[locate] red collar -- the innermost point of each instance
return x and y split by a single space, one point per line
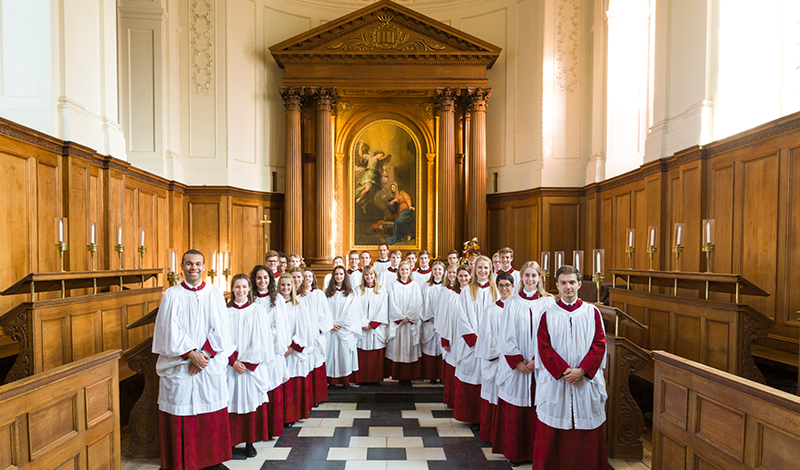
450 287
510 270
193 289
570 308
483 286
394 270
406 282
276 275
500 303
351 271
534 297
339 289
423 271
435 283
260 295
246 304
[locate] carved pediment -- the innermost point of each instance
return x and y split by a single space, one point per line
385 32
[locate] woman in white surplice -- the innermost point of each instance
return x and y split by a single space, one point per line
405 317
430 342
375 318
312 319
449 310
345 307
298 392
318 305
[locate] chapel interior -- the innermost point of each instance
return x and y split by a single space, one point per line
656 140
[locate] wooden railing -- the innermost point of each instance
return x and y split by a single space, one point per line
704 418
65 418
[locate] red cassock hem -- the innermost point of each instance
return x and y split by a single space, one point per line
192 442
319 378
406 370
294 399
467 407
449 395
308 392
556 448
341 380
431 367
514 431
370 366
275 412
249 427
488 413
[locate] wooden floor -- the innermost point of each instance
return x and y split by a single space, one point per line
645 464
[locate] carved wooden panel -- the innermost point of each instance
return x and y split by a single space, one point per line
674 454
720 425
98 402
674 403
100 454
777 448
659 321
51 425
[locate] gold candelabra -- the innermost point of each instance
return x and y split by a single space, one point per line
173 278
120 249
212 273
142 250
92 249
598 278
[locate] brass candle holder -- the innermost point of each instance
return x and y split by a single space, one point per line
92 249
545 275
651 250
62 247
598 278
630 250
708 248
120 249
142 250
227 273
173 278
212 273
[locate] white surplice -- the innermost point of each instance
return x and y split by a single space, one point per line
298 327
468 369
317 305
418 275
388 277
405 301
277 373
355 277
430 341
253 338
380 266
374 308
342 354
186 319
488 352
518 339
446 324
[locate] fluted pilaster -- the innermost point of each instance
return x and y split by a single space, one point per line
476 192
325 99
293 200
445 101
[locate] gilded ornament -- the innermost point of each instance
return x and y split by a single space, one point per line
386 36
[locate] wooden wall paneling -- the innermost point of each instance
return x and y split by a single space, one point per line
274 211
792 236
561 225
177 227
498 230
247 241
592 230
130 223
206 221
523 233
115 190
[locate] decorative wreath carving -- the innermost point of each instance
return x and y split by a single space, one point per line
386 37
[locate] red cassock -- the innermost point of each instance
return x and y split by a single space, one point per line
250 427
275 412
570 449
193 442
513 434
467 402
319 379
370 366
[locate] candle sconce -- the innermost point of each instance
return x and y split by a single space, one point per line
142 249
677 246
577 262
212 273
61 241
119 247
598 259
226 263
545 267
708 241
630 236
172 265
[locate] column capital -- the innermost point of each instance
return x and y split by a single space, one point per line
477 98
445 99
325 98
292 98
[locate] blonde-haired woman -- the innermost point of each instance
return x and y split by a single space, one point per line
298 392
405 316
375 319
482 293
515 418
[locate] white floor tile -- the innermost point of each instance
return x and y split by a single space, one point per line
425 453
404 442
347 453
317 432
365 465
386 431
435 422
309 423
417 414
487 451
265 444
450 431
140 464
364 441
274 453
406 465
358 414
456 423
430 406
341 406
249 464
337 422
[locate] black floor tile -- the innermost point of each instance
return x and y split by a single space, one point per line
324 465
489 465
324 414
386 454
442 413
420 432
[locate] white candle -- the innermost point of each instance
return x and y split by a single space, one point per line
597 266
630 238
173 267
119 235
708 232
678 236
653 237
142 238
546 260
214 262
227 260
60 230
578 261
559 260
92 242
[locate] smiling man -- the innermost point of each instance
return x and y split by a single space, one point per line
192 342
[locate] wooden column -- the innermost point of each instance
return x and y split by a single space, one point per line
476 192
445 101
293 199
324 98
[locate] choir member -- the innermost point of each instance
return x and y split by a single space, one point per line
382 263
488 351
192 340
450 307
452 257
337 261
411 259
318 304
353 270
272 261
516 414
375 319
389 276
312 318
345 308
481 294
423 272
247 379
405 316
266 295
283 262
570 387
295 260
506 257
366 259
496 264
297 391
430 343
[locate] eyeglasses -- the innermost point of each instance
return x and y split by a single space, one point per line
505 285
